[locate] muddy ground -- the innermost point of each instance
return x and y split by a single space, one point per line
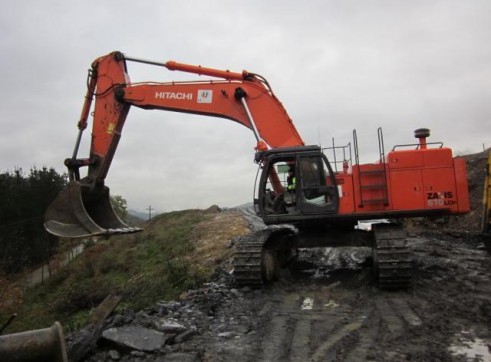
317 314
326 307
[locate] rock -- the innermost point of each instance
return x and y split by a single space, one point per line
136 338
225 335
114 355
169 326
166 307
117 321
143 319
184 336
138 354
181 357
246 290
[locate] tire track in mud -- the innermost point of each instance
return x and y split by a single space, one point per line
310 325
300 318
342 316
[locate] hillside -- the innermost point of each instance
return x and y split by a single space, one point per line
175 252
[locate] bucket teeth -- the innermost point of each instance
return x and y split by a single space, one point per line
81 211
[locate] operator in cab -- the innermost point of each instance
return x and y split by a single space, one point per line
291 180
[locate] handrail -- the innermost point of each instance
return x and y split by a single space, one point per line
381 148
347 155
355 146
417 145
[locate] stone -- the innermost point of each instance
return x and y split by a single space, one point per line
136 338
184 336
180 357
117 321
225 335
138 354
169 326
114 355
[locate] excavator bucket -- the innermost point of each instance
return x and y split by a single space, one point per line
81 211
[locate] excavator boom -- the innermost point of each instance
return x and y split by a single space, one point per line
241 97
84 208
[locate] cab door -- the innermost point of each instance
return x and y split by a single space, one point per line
317 192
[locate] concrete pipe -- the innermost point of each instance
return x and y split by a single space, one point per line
38 345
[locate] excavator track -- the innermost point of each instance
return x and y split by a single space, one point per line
392 260
248 258
247 263
254 264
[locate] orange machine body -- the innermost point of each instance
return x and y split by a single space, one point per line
415 180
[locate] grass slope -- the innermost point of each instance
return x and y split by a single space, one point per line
144 268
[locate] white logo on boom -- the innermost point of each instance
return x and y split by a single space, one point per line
205 96
174 95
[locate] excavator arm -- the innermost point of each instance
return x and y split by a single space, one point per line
242 97
84 209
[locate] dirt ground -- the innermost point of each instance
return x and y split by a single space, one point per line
320 313
326 307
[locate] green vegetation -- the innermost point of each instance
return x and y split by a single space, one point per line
120 206
23 201
144 268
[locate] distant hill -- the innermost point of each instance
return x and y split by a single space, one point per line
138 214
136 217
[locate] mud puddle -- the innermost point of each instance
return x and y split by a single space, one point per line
327 264
467 346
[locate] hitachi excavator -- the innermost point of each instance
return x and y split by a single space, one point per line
319 203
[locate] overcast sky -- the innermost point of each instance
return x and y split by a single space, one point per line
335 65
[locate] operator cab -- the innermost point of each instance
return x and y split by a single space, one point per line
294 184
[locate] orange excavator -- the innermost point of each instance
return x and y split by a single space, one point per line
323 198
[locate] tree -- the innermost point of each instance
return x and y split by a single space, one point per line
120 206
23 202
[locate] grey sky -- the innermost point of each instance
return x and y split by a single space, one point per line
335 65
